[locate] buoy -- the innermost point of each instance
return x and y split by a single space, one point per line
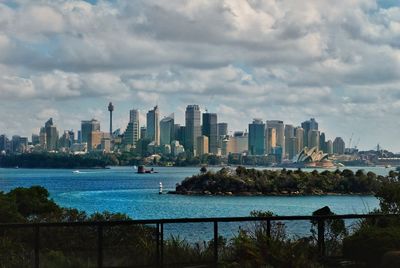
160 189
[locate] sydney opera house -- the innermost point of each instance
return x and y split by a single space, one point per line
312 157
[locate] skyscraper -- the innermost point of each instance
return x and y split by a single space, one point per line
280 132
87 127
202 145
192 127
257 137
210 129
3 143
329 147
299 133
271 139
222 129
289 133
307 126
167 130
313 138
51 135
322 143
338 146
153 125
134 119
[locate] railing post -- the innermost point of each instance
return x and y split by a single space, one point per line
162 245
321 237
158 244
215 243
100 245
37 245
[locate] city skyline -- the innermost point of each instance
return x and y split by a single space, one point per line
239 59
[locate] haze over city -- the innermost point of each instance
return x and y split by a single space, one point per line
339 64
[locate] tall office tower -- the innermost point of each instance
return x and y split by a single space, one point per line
313 138
3 143
67 139
134 119
210 129
257 137
329 147
177 128
95 139
271 139
289 133
307 126
192 127
87 127
111 109
222 129
143 132
79 138
42 138
51 135
322 142
153 125
240 142
202 145
15 144
299 133
338 146
35 140
167 130
280 132
128 139
292 147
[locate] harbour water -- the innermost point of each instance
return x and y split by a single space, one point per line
121 189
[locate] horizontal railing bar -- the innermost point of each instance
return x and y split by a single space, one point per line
192 220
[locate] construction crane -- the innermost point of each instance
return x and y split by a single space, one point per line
351 138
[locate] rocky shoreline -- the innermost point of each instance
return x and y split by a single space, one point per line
283 193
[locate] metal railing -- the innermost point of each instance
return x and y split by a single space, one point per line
160 232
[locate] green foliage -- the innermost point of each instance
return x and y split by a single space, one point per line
243 181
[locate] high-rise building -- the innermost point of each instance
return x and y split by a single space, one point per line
210 129
222 129
292 147
67 139
202 145
51 135
322 142
299 133
307 126
271 139
329 147
134 119
35 139
338 146
257 137
3 143
313 138
42 138
143 132
167 130
192 127
129 139
153 125
95 140
289 133
280 132
87 127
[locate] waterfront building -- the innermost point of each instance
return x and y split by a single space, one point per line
153 125
202 145
134 119
210 129
338 146
256 144
51 135
289 134
87 127
192 127
313 139
307 126
329 147
280 132
167 130
271 139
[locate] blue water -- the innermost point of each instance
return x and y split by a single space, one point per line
120 189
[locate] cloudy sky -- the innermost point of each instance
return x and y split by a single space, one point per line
337 61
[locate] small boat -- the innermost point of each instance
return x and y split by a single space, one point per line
76 171
134 167
388 166
160 191
142 170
